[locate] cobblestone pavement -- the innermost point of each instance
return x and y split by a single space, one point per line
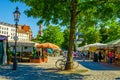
101 71
48 71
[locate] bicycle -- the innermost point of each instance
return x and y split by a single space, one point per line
60 63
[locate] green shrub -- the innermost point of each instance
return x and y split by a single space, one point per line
9 54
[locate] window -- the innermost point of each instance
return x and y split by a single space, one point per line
4 32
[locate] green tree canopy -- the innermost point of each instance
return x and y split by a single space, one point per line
91 35
52 34
112 30
66 39
72 13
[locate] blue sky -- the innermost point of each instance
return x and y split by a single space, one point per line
6 15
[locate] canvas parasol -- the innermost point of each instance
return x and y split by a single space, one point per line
47 45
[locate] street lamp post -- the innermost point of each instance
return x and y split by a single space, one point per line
16 19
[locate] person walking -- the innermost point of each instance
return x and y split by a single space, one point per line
75 53
100 56
84 55
95 57
110 55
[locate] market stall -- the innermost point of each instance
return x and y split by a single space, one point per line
44 49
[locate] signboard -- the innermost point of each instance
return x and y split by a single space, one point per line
15 38
93 48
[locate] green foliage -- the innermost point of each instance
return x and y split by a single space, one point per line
66 39
52 34
112 32
34 52
38 39
89 12
9 54
104 34
92 35
71 13
48 10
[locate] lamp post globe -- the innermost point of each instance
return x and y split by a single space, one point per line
16 19
16 15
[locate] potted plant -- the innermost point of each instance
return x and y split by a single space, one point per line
44 57
9 55
34 58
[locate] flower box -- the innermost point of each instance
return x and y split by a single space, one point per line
36 60
9 62
45 59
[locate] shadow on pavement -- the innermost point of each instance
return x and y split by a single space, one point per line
117 78
99 65
33 72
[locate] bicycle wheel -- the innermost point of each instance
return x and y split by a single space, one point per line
75 64
60 64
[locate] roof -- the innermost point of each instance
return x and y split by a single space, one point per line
20 31
92 46
7 24
26 28
113 42
24 43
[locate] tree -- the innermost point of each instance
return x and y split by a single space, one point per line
66 39
92 35
70 13
52 34
38 39
112 31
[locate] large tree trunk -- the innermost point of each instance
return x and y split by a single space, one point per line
69 65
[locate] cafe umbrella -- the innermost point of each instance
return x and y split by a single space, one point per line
47 45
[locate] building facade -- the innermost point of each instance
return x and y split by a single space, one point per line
24 34
23 31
